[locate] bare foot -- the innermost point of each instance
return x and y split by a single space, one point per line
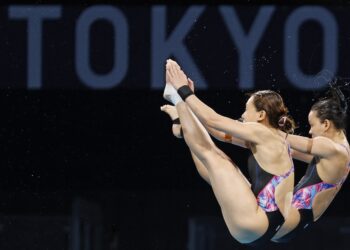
172 112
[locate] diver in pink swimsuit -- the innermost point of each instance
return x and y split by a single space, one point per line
327 153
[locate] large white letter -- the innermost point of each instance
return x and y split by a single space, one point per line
163 48
82 47
35 16
291 47
246 43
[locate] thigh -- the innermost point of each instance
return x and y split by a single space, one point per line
244 218
223 155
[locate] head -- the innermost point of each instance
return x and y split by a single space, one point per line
328 115
267 107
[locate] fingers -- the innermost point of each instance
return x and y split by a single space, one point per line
190 83
169 73
173 70
182 75
167 67
174 74
166 75
172 62
176 65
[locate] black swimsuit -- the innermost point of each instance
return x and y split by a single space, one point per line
304 194
263 187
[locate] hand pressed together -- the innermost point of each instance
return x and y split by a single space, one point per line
175 75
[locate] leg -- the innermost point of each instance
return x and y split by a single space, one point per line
171 111
202 170
176 128
199 164
244 218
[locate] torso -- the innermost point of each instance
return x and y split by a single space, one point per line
273 163
328 184
317 189
273 155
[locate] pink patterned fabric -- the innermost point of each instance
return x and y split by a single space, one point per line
304 197
266 197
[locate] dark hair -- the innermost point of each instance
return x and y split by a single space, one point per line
277 113
333 107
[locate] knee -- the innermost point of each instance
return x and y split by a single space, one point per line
209 156
247 235
248 229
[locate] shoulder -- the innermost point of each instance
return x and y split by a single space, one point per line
331 146
260 130
323 140
255 126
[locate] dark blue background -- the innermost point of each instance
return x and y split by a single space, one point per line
115 147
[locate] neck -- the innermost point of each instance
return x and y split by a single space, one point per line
268 125
337 136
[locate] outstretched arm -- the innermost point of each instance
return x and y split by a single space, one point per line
319 146
221 136
304 157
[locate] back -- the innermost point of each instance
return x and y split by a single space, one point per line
313 195
272 172
272 153
321 182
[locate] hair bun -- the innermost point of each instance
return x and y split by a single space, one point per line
338 96
282 121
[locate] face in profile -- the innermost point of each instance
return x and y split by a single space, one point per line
317 128
250 114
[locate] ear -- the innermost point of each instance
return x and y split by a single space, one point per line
326 124
262 115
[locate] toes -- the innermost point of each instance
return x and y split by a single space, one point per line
164 107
